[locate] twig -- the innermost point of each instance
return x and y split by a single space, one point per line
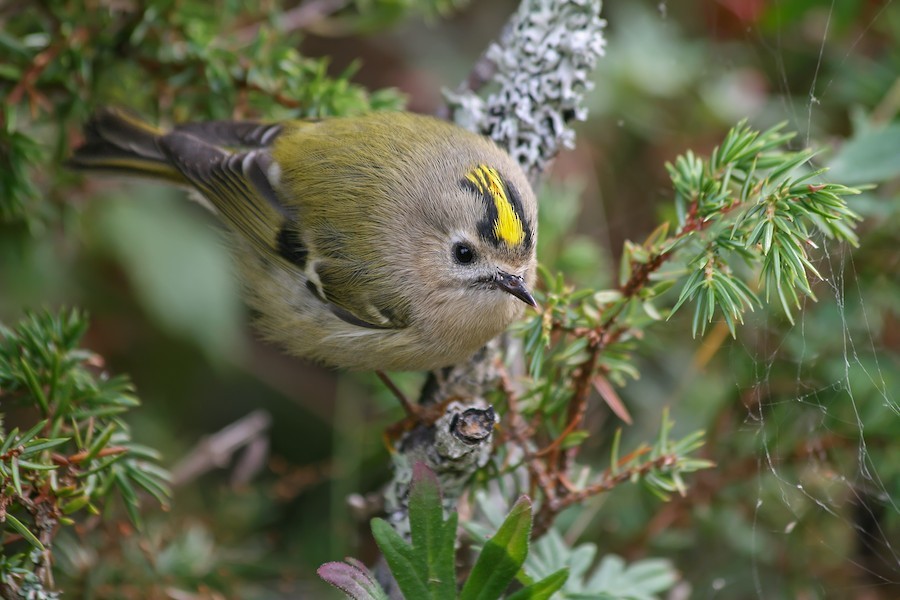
541 66
558 463
216 450
38 65
408 407
300 17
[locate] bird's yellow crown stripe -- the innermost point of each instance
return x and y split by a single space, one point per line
507 225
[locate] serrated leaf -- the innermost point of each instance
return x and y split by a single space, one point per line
543 589
400 558
502 555
352 578
433 539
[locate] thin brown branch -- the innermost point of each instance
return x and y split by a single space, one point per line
552 462
78 457
553 506
216 450
42 60
296 19
520 432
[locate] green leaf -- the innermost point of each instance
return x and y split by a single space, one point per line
22 530
651 311
17 482
34 386
186 283
543 589
10 440
433 539
154 486
101 442
75 504
400 558
575 438
28 435
38 447
644 579
789 162
870 156
607 296
129 496
27 464
502 555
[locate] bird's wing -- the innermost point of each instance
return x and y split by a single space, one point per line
240 186
230 163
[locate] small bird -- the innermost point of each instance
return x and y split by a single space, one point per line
389 241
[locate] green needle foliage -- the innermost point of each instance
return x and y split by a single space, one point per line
745 218
744 228
77 453
65 59
754 204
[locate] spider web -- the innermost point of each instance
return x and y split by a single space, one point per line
821 488
821 497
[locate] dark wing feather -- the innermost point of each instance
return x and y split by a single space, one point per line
236 184
229 164
233 134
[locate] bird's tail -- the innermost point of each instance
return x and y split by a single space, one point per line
117 142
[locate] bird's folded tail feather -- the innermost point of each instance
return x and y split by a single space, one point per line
117 142
227 162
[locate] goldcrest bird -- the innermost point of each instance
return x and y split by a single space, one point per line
390 241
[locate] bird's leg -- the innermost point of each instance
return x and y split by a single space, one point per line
417 415
412 411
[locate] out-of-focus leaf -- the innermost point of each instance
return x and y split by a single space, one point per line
869 157
178 266
641 580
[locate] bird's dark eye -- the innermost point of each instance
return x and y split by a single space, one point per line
463 254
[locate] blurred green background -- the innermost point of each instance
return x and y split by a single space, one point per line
802 420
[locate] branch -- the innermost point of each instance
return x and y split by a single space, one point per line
214 451
542 65
299 17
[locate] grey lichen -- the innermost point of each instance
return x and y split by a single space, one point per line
542 65
454 447
541 69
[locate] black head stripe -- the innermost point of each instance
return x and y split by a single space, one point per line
504 215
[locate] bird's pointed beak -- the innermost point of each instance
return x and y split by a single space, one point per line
515 285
